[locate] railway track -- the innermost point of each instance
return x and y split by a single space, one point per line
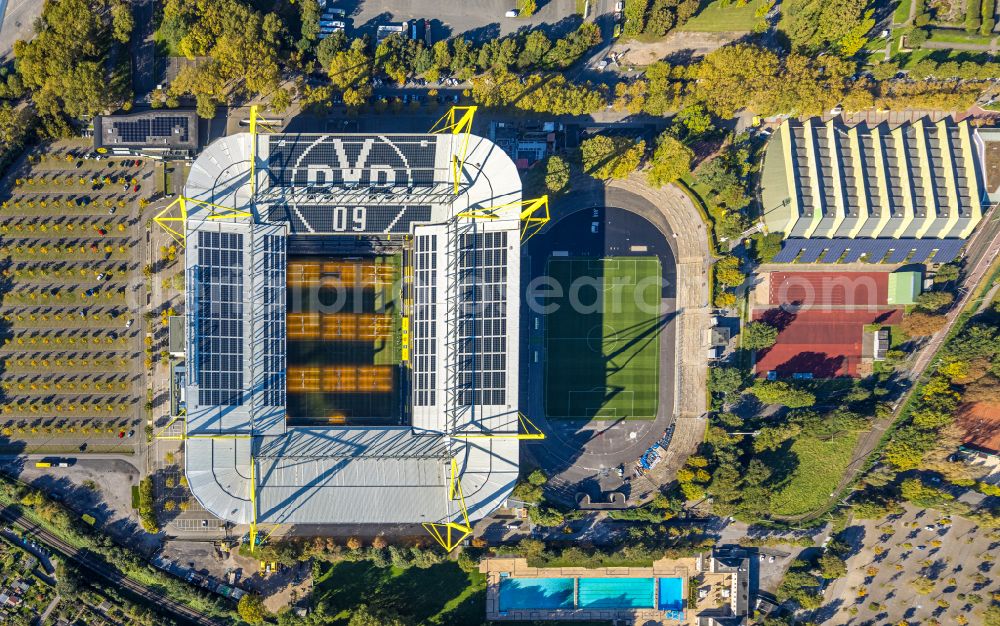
89 563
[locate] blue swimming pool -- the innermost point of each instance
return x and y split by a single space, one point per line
671 594
536 594
616 593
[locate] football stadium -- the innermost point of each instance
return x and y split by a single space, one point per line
352 327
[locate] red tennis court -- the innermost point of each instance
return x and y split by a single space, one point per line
830 289
822 343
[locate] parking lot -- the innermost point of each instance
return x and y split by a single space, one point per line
17 18
70 235
478 20
918 567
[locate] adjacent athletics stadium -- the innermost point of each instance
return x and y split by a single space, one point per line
352 327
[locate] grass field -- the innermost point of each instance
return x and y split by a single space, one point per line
441 594
603 356
718 17
818 467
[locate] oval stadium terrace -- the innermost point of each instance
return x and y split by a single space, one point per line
257 205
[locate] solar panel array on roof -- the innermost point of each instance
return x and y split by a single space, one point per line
869 250
482 326
219 318
142 130
352 220
424 317
351 160
274 321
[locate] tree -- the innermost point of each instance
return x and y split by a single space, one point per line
536 47
241 44
122 21
147 513
983 389
946 273
364 615
724 380
671 161
923 585
351 71
635 16
919 324
611 157
556 174
934 301
64 64
393 57
827 25
759 335
832 566
14 126
736 77
695 120
310 12
727 271
771 437
251 608
766 246
808 86
780 392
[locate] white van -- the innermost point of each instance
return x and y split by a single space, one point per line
511 13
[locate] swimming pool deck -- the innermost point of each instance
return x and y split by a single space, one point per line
518 568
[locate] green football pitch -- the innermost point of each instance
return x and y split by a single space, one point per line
602 358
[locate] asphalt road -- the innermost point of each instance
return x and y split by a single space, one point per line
17 18
180 612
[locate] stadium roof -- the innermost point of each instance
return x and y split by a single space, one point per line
235 264
915 181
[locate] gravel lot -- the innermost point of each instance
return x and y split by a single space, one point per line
957 558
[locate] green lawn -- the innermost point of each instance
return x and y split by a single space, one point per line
815 470
440 594
941 35
717 17
603 355
902 12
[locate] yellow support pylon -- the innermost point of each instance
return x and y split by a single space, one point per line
450 534
217 211
534 214
256 125
526 430
455 124
253 505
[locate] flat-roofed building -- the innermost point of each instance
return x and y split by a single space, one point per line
910 183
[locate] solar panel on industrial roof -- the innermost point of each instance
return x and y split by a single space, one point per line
219 318
351 160
873 250
274 321
142 130
482 345
424 318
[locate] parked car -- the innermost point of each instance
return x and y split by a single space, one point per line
128 324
